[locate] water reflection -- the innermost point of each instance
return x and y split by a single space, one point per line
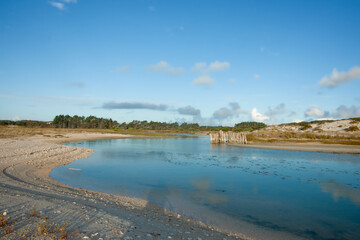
338 190
201 193
229 186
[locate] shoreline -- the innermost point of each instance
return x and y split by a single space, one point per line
305 147
26 163
26 187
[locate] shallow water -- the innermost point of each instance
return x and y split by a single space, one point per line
305 194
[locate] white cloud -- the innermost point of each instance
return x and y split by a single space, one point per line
278 110
135 105
205 70
314 112
337 78
70 1
123 69
16 118
341 112
164 67
175 71
258 117
232 80
256 76
58 5
346 112
214 66
199 67
158 67
233 111
297 120
203 80
219 66
189 110
223 113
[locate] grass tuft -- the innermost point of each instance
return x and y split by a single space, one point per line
3 220
34 213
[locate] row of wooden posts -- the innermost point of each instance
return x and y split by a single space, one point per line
228 137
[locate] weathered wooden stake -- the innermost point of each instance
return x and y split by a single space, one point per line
228 137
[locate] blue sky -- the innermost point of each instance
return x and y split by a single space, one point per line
211 62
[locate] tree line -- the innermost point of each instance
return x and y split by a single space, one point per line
67 121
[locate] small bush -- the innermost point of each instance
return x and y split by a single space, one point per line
305 127
248 126
34 213
317 129
322 121
9 229
355 119
249 137
352 129
3 220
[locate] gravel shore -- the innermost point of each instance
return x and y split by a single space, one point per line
35 206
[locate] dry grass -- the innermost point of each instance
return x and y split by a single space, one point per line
34 213
317 135
44 228
6 225
19 131
3 220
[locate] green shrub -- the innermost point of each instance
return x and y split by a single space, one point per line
352 129
305 126
248 126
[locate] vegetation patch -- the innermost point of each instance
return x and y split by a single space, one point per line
352 129
317 129
305 126
355 119
322 121
44 228
248 126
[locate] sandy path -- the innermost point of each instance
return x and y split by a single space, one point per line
25 164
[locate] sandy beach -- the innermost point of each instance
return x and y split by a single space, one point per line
31 198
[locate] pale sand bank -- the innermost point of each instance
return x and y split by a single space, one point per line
25 164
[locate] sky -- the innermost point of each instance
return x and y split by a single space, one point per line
208 62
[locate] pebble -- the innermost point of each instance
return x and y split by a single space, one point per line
85 237
4 213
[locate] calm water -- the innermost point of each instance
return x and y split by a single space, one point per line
310 195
